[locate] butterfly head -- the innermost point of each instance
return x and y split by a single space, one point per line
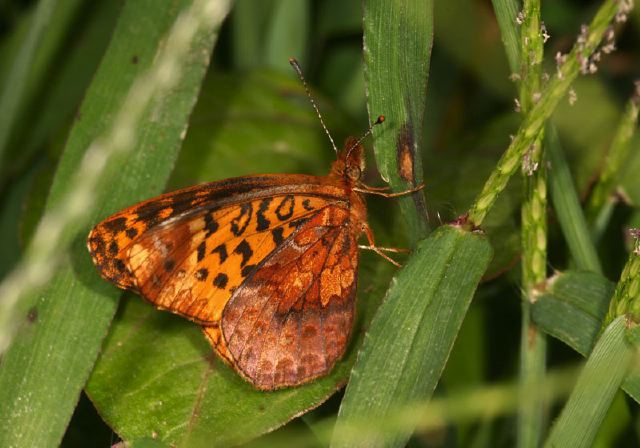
350 163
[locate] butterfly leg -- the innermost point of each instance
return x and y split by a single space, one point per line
371 188
395 250
380 251
380 191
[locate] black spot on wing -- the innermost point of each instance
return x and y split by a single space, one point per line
221 250
284 210
220 281
247 270
119 265
202 247
201 274
277 236
113 248
131 232
210 224
306 204
240 223
244 249
263 222
169 265
116 225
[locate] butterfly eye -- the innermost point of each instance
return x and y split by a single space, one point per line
353 172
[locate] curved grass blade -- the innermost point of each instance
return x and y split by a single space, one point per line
411 336
595 389
398 36
41 375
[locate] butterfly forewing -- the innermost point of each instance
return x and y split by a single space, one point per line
192 267
109 241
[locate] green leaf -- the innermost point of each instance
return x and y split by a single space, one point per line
595 389
572 308
176 386
410 339
397 50
42 373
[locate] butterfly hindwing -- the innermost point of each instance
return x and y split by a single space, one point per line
289 322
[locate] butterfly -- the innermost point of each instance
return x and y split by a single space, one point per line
266 264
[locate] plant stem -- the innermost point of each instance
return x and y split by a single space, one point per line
533 346
535 119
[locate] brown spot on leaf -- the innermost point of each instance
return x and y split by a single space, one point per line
406 155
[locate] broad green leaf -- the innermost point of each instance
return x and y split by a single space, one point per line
397 50
595 389
42 373
175 386
411 336
572 308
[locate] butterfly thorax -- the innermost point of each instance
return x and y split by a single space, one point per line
347 170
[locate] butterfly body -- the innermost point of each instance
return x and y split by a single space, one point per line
266 264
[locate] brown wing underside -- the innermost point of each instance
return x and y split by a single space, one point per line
290 321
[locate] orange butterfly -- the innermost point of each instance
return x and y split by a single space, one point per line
266 264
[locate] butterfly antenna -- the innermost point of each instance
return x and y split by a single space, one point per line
296 67
378 121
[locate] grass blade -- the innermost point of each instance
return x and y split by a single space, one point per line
44 370
595 389
398 36
567 208
411 336
506 13
16 82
